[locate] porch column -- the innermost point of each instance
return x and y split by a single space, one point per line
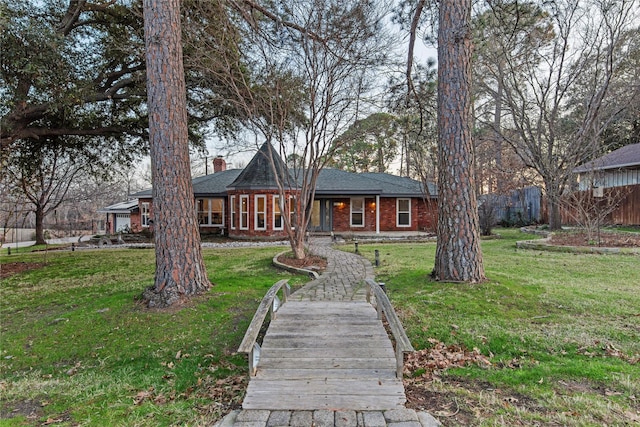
378 214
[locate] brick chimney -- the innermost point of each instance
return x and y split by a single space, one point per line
219 164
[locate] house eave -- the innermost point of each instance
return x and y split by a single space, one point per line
602 168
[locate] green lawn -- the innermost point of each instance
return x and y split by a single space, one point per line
78 349
562 332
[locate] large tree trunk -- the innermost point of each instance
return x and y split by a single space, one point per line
39 226
180 270
458 254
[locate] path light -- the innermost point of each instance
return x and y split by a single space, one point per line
377 252
356 243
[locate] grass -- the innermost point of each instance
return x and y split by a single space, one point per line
562 331
78 349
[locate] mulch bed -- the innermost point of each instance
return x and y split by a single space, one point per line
607 239
319 263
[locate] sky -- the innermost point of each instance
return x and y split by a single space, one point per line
422 52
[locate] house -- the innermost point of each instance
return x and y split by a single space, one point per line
245 203
123 216
617 171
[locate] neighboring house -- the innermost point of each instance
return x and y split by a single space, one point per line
123 216
244 203
616 171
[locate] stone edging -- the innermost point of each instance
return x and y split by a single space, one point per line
314 275
544 245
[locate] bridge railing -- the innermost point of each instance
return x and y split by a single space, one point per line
383 305
270 304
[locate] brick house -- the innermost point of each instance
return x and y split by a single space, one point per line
245 203
123 216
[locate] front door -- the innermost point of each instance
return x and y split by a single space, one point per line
321 215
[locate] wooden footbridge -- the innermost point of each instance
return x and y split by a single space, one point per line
332 355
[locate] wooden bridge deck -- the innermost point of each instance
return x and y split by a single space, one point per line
326 355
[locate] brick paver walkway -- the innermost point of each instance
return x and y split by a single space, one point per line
343 280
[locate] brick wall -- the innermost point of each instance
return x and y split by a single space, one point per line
251 232
423 215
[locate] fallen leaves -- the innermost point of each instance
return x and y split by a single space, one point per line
150 395
608 350
423 363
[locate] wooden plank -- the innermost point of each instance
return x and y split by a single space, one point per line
326 355
324 394
290 352
323 373
336 386
326 402
326 363
362 343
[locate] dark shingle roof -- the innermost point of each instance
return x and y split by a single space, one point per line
338 182
207 185
393 185
624 157
259 173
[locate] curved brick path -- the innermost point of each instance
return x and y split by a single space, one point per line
343 280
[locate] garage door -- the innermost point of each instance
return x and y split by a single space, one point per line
123 222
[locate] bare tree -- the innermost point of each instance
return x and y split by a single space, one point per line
556 96
43 174
316 58
180 270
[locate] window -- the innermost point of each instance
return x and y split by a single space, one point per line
403 212
244 212
232 201
277 214
217 212
261 212
203 211
357 212
210 212
145 216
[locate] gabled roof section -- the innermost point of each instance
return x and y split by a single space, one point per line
121 207
259 173
624 157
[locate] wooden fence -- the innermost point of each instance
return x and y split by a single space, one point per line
626 213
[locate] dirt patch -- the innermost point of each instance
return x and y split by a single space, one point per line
310 262
10 268
29 409
456 401
607 239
